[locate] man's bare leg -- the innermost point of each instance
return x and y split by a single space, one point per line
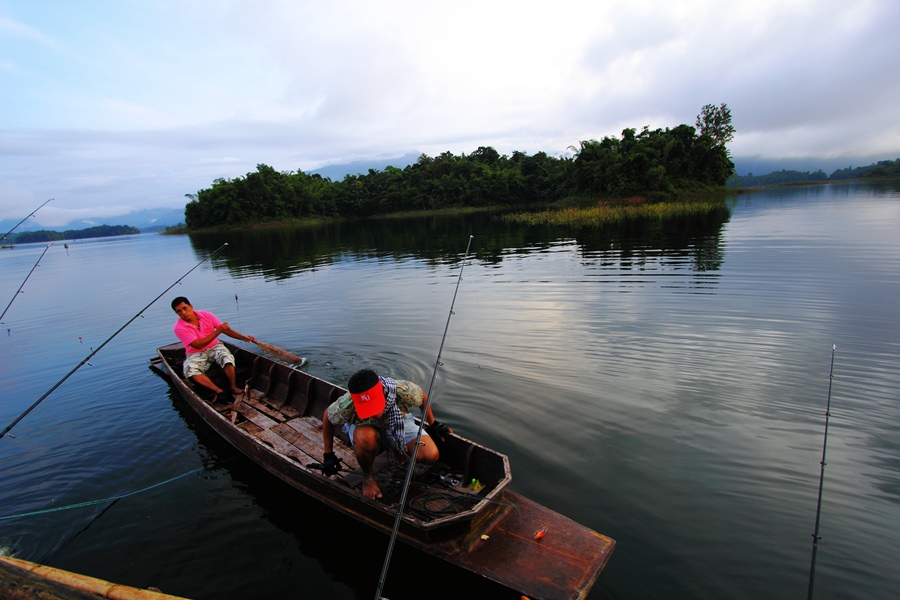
230 374
428 453
206 382
365 446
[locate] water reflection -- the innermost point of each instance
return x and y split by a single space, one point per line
282 252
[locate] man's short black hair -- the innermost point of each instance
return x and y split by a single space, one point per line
362 380
179 300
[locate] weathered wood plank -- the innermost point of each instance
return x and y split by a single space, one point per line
302 442
250 427
261 404
255 416
314 448
285 447
310 428
289 412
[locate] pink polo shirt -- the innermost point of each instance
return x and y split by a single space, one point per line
187 333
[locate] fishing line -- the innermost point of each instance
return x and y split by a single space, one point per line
412 459
816 538
100 501
476 292
19 291
100 347
23 220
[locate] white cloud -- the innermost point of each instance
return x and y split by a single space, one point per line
136 104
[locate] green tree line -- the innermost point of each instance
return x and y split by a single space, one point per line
884 168
658 163
43 235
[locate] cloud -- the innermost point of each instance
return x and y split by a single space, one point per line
135 104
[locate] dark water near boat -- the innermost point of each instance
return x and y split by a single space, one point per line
663 384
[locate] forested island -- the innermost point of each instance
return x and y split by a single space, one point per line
884 168
655 165
43 235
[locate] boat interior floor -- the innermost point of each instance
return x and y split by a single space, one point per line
435 490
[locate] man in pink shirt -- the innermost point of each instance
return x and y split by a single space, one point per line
198 330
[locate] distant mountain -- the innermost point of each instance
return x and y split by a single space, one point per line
745 165
338 172
154 218
147 220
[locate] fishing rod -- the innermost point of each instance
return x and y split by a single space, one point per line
23 220
412 459
89 356
815 535
19 291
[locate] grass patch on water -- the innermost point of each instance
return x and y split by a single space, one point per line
608 212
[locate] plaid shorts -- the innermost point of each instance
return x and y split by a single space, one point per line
197 363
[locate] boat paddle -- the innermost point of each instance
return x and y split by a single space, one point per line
281 353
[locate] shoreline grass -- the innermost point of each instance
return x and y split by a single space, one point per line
606 212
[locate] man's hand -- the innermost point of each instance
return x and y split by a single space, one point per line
331 464
438 430
399 459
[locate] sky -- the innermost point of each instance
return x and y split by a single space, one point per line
110 106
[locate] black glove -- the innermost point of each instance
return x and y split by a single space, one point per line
437 430
331 465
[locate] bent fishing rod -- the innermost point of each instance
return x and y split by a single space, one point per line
100 347
816 538
31 214
412 459
19 291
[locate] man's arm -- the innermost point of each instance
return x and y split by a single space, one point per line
331 465
429 416
234 334
200 342
435 428
327 434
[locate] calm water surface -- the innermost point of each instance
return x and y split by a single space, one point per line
663 384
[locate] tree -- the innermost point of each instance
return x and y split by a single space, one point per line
715 122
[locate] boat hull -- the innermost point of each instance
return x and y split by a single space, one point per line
492 532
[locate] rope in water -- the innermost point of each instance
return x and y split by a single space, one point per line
101 501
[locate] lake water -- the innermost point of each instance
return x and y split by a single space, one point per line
663 384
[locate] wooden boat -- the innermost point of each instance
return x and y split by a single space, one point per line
459 509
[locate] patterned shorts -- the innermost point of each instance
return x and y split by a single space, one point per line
410 430
198 362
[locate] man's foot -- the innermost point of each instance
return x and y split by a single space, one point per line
236 390
370 488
